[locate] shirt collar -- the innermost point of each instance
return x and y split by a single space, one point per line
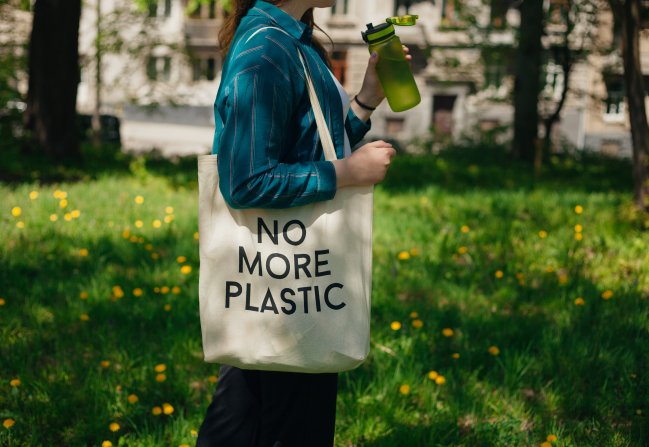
294 27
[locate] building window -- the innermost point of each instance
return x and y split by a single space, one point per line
159 68
498 13
155 9
558 12
204 69
495 68
394 125
614 103
341 7
443 113
339 65
451 13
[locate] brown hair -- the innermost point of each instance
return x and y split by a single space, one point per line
241 7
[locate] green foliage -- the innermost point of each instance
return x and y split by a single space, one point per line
464 240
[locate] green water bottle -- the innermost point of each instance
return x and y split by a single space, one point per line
393 69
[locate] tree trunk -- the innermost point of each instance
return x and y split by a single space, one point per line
550 121
635 96
527 82
53 77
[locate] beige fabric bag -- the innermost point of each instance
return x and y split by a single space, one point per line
285 289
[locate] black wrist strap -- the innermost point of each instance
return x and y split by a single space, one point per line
364 106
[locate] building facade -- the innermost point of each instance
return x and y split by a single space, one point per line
463 70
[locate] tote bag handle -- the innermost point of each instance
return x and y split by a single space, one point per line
323 130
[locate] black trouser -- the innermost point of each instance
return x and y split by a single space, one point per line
270 409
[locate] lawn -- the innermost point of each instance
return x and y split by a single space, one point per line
508 309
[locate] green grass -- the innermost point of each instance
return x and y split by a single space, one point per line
575 371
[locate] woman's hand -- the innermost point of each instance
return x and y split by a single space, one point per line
371 92
366 166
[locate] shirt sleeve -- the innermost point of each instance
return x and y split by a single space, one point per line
257 116
356 128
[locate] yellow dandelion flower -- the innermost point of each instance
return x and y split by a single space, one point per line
114 426
75 213
519 276
493 350
8 423
175 290
84 317
183 445
118 292
20 224
578 228
417 324
104 363
414 252
607 294
15 382
414 314
160 378
33 195
403 256
155 256
132 398
106 444
447 332
212 379
432 375
164 289
2 302
139 223
60 194
181 259
455 355
440 380
196 236
543 234
148 247
53 217
462 250
160 367
139 200
67 217
169 218
83 252
137 292
83 295
167 307
465 229
186 269
499 274
157 411
551 438
169 210
16 211
63 203
545 444
563 278
126 234
579 209
579 301
133 239
193 432
404 389
578 236
156 223
395 325
167 408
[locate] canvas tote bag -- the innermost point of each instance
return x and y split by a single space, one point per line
285 289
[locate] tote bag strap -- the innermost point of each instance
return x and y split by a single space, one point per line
323 130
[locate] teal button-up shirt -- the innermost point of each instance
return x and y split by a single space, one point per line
269 151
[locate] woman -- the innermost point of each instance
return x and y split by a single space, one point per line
270 155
